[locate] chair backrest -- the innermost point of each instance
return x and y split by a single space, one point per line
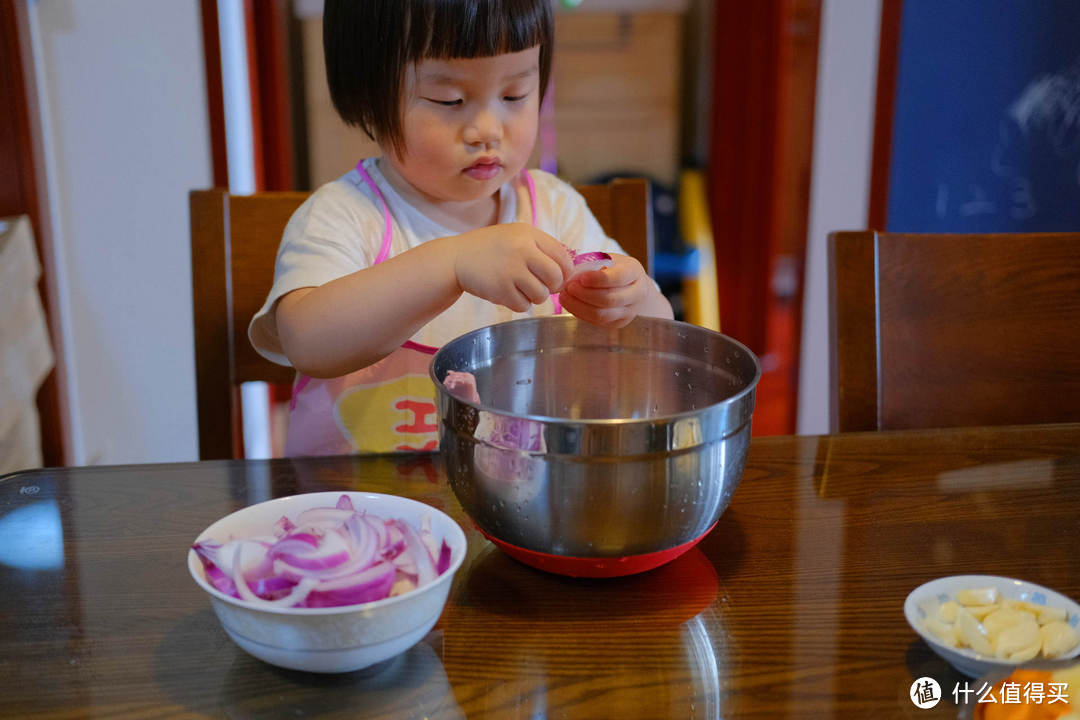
234 241
934 330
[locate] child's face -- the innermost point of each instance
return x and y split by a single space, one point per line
469 124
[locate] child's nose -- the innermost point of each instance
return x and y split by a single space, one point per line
485 128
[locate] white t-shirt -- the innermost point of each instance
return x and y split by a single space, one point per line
340 228
390 405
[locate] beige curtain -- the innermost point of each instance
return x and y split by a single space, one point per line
26 355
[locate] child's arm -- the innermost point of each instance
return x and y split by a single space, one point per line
358 319
615 296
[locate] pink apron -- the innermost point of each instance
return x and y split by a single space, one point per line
385 407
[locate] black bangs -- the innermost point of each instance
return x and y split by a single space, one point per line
369 44
446 29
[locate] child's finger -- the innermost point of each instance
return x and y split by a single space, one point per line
603 316
533 289
605 296
618 275
557 252
547 271
517 301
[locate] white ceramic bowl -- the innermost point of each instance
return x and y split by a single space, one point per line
332 639
924 600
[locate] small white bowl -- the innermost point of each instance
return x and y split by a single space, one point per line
332 639
924 600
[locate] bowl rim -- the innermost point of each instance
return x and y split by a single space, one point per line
599 422
929 589
195 566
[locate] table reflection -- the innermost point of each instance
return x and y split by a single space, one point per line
224 680
654 641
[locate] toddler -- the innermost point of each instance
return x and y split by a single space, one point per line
444 233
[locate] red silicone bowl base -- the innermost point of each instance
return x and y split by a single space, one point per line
594 567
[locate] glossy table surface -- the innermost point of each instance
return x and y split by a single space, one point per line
791 607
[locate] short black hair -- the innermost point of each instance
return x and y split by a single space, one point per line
368 44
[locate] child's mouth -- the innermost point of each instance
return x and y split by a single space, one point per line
484 170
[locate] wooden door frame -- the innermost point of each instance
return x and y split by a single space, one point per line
266 25
884 109
760 151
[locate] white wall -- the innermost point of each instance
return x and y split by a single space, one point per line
840 178
126 136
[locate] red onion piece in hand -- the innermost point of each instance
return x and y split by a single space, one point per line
584 262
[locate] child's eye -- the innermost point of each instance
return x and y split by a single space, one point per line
446 103
514 98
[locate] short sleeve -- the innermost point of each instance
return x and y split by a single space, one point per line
337 231
572 222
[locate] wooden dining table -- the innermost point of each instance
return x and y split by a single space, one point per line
792 607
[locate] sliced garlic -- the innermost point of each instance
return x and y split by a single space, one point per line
1018 637
1049 614
980 611
995 626
977 596
973 633
999 620
1025 654
1058 638
942 632
947 611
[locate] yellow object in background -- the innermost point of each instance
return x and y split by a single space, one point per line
701 297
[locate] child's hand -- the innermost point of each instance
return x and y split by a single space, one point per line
611 297
514 264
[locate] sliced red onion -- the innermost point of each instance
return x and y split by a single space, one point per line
208 553
427 538
374 583
330 556
425 566
382 534
283 527
302 537
443 563
326 552
316 562
297 594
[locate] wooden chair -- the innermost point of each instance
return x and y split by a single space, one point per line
953 330
234 241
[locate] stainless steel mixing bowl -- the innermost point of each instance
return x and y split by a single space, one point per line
596 443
